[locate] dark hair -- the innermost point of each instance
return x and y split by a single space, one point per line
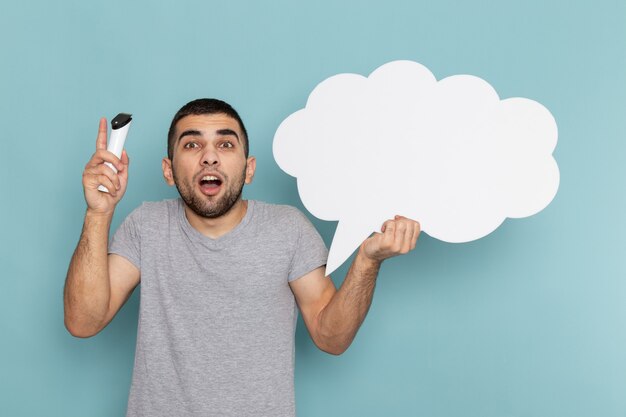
204 106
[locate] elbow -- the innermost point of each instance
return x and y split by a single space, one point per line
330 338
334 349
82 324
81 332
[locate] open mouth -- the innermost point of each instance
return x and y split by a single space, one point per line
210 184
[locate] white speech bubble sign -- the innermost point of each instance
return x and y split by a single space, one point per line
447 153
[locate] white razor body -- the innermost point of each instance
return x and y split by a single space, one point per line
119 129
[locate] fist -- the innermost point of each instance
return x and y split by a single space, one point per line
396 237
96 173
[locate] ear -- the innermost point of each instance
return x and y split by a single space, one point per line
168 175
250 168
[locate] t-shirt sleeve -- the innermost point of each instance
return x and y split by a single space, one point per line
126 241
310 250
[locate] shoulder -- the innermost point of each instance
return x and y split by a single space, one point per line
159 206
279 213
155 210
287 222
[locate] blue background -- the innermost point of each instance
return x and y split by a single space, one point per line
529 321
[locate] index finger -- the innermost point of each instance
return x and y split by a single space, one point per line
101 140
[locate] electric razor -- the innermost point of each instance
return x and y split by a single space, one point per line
119 129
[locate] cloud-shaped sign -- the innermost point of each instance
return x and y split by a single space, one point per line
447 153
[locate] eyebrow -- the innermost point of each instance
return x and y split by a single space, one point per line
220 132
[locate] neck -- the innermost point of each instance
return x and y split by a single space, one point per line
219 226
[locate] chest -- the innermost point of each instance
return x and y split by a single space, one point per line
239 279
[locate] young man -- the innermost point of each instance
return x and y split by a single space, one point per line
221 276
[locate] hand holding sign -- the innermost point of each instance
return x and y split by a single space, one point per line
447 153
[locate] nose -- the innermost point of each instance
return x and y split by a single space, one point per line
210 158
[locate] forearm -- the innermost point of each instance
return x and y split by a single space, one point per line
340 320
87 287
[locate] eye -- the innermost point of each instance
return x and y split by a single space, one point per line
227 144
191 145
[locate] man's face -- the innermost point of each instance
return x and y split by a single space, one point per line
209 166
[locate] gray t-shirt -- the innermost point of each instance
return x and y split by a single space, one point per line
217 316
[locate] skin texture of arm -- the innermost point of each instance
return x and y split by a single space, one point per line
333 316
98 284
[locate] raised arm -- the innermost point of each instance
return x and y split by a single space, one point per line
97 284
332 316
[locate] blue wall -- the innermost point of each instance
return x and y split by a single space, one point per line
529 321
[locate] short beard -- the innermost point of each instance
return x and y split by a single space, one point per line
199 205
